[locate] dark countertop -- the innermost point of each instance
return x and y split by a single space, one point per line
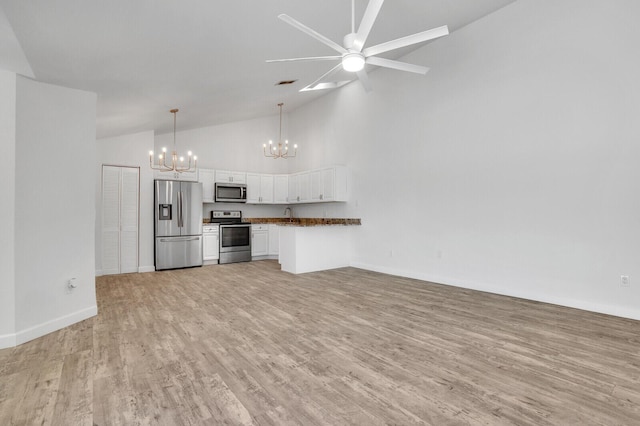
300 221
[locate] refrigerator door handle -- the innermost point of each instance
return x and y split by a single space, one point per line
180 222
178 239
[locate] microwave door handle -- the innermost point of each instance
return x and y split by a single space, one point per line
244 193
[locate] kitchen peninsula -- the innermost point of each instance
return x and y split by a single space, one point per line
313 244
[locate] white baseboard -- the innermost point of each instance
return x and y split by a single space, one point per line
267 257
472 285
141 269
7 341
23 336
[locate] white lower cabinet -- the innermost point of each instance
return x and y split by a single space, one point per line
259 240
274 240
210 244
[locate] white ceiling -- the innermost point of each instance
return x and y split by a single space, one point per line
206 57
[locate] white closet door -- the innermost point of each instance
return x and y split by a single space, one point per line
110 220
120 203
129 220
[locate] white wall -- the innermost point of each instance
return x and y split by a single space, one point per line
7 212
233 146
131 151
510 167
55 208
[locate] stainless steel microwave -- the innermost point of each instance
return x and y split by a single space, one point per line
231 193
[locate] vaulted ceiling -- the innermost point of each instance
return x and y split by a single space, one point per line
206 57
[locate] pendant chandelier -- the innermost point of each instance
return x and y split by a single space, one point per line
177 163
282 150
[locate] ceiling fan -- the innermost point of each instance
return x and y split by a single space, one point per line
353 55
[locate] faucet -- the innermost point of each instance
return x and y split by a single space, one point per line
290 213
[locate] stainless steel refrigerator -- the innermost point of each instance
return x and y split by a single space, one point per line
178 224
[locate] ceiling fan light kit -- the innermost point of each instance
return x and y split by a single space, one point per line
353 62
353 55
177 162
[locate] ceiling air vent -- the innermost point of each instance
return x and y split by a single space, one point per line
284 82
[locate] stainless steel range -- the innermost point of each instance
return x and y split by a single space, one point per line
235 236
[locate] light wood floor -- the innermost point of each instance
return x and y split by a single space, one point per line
249 344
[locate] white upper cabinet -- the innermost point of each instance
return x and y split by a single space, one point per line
207 178
184 176
259 188
304 182
294 189
281 189
333 184
324 185
230 177
316 186
266 189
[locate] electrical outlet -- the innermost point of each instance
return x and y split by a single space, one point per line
624 281
71 284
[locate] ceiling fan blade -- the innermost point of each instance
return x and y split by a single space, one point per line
289 20
325 75
364 79
312 58
402 66
324 86
370 15
406 41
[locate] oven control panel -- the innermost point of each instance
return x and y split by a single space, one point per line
226 214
